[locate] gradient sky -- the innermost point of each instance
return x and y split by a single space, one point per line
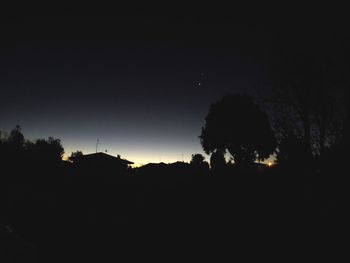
142 86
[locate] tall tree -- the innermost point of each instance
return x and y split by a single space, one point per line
16 138
237 125
309 101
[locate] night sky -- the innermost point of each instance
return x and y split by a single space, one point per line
140 85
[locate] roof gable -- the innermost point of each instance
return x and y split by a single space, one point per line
102 157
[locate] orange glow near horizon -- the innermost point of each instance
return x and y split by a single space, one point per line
139 160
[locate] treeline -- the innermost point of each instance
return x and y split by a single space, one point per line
15 148
300 114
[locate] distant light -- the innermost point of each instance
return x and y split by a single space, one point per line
269 164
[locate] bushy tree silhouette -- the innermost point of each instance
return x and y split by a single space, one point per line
12 146
16 137
197 159
308 92
74 155
198 162
50 149
238 125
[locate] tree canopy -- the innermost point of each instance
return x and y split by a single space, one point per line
310 91
237 125
197 159
16 146
50 149
75 155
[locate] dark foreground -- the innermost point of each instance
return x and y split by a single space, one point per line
66 215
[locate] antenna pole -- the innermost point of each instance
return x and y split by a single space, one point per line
97 143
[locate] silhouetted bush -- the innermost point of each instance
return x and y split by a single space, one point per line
50 149
199 165
75 155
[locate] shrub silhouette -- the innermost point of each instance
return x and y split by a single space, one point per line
238 125
197 159
50 149
74 155
198 163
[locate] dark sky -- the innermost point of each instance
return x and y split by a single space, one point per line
141 85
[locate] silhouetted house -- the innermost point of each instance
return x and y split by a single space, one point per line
152 168
165 169
101 162
160 172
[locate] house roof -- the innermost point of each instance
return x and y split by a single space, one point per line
100 156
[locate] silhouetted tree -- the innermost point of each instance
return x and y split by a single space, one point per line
50 149
197 159
238 125
74 155
198 162
16 137
217 161
12 145
309 95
